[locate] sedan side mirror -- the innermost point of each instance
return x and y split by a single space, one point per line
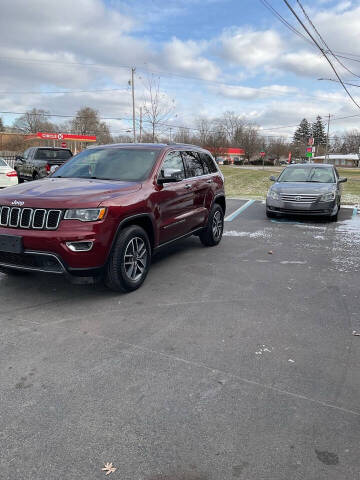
170 175
273 178
342 179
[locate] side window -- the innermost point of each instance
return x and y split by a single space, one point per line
194 165
208 163
173 166
27 152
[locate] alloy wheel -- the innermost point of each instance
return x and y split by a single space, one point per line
135 258
217 225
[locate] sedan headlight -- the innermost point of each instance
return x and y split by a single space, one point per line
274 195
328 197
85 214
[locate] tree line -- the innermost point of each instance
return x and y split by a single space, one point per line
227 130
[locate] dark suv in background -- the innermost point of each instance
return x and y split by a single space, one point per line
39 162
105 211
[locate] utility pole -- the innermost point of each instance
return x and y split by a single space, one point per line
140 136
133 101
327 139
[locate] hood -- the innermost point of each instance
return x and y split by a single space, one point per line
303 187
66 192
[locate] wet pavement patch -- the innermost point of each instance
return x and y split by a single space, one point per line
328 458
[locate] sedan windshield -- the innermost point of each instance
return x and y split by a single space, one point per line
306 174
132 165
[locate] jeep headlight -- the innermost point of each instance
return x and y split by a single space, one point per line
328 197
85 214
274 195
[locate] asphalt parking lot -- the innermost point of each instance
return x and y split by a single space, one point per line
237 361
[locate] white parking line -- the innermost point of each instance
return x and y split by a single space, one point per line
237 212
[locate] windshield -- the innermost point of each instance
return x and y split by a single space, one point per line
306 174
3 163
129 165
51 154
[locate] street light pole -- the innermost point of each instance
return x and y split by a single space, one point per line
327 138
133 102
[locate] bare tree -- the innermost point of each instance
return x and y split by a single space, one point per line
34 121
87 122
231 124
249 139
204 130
158 108
183 136
277 147
351 142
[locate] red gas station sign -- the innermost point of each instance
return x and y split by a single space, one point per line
65 136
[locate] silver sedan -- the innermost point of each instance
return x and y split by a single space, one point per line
306 189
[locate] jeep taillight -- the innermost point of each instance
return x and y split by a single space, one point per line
47 167
11 174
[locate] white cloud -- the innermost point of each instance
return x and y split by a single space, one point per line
250 93
185 57
250 48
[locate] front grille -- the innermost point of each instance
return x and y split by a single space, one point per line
32 261
36 219
300 212
299 197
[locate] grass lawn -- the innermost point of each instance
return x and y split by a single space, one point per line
253 182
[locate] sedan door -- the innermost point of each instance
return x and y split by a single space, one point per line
175 200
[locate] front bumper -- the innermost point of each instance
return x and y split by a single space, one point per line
293 208
46 251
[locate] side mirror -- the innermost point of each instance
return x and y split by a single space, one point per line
170 175
273 178
342 179
19 158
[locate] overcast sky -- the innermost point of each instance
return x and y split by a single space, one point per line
211 56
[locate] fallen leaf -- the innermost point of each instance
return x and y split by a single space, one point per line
108 468
356 334
270 252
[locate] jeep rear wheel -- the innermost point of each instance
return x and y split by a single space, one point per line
212 233
129 261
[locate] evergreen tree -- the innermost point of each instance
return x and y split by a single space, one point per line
302 133
2 128
318 132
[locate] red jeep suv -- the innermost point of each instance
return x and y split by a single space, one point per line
108 209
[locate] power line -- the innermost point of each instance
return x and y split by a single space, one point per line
299 34
322 51
323 41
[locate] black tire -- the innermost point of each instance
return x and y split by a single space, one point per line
20 180
36 176
334 218
121 277
212 234
270 214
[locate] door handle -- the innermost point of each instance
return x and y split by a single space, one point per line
187 186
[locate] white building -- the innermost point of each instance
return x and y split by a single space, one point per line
339 159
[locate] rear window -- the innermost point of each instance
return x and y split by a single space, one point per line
194 165
3 163
209 165
50 154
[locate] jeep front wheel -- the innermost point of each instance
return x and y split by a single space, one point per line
129 260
